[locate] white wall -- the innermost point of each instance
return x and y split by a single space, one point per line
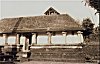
22 40
72 39
42 39
11 40
58 39
2 40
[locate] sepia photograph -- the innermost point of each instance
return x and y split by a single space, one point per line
49 31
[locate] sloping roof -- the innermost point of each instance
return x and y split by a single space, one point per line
7 25
44 23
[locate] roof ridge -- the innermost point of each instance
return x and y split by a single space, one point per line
17 24
32 16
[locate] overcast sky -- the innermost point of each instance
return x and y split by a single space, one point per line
75 8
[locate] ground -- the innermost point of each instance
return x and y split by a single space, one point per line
51 62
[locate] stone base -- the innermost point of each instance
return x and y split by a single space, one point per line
26 54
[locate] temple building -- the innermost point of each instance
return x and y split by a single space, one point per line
52 28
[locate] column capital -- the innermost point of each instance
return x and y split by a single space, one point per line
4 34
64 32
34 33
79 32
49 33
18 34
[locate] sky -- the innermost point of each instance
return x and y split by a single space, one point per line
75 8
19 8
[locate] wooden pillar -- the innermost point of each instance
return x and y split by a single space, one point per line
25 47
5 38
22 40
30 39
80 36
34 38
64 34
26 43
17 39
49 37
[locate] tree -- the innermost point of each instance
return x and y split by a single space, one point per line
88 25
96 30
94 4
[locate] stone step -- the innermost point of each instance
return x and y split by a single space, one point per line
58 56
6 62
55 50
55 57
51 53
57 53
58 59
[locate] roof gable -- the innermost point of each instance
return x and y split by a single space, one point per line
51 11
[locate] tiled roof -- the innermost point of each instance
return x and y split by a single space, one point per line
43 23
7 25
